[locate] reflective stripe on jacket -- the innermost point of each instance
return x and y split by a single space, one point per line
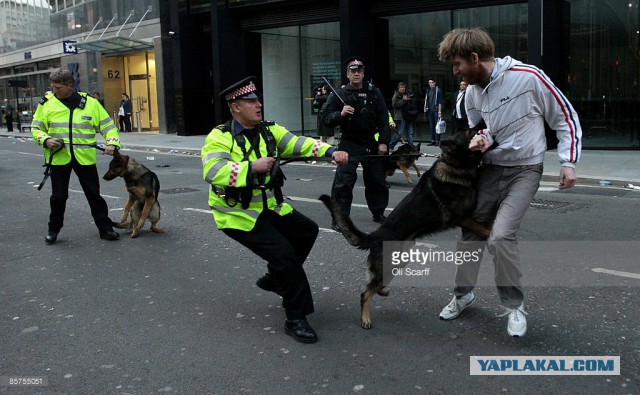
53 119
223 165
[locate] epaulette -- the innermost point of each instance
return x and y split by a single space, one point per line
269 123
43 99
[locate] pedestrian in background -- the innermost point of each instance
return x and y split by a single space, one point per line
404 114
433 101
515 99
126 108
459 113
9 111
324 132
96 95
65 124
239 161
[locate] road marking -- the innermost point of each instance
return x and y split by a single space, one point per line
308 200
617 273
29 153
199 210
107 196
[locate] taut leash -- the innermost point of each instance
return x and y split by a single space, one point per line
284 161
47 166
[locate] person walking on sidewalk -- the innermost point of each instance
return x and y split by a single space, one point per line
515 99
404 114
65 125
239 161
8 114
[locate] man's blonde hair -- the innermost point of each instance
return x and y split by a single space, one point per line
462 42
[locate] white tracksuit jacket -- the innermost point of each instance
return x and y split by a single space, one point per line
514 105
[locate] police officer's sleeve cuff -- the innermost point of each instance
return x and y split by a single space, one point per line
330 152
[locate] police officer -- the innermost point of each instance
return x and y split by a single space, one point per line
361 113
240 161
65 125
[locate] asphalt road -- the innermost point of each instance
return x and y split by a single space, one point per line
180 313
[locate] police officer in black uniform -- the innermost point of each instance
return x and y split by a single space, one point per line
361 113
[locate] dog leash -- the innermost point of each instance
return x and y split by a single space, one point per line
47 166
284 161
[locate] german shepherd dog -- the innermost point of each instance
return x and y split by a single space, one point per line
444 198
403 158
143 187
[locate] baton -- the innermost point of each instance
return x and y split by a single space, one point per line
334 91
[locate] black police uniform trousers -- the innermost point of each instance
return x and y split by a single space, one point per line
90 183
375 187
284 242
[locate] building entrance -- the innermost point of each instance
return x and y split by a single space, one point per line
135 75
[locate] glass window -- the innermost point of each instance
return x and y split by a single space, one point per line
414 40
603 74
294 60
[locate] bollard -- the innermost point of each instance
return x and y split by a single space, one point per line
138 121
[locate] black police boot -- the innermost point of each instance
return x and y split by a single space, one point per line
110 235
51 237
379 218
300 330
267 283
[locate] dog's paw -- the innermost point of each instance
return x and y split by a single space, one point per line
384 291
155 229
134 234
365 324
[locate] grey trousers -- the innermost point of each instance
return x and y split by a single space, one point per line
504 195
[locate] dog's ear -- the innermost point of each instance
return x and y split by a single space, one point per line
447 145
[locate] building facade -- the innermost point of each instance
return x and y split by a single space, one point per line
109 45
195 48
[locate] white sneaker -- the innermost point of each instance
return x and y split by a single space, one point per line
517 325
456 306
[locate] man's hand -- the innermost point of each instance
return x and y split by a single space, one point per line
340 157
347 110
51 143
567 177
382 149
478 143
109 150
262 165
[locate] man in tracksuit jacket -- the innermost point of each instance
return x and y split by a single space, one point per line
514 100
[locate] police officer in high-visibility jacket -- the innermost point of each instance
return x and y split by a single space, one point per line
65 125
240 161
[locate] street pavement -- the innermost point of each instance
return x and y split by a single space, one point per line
180 312
619 167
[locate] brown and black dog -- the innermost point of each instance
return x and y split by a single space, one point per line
143 187
444 198
403 158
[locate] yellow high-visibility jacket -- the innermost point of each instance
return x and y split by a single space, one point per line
77 129
223 166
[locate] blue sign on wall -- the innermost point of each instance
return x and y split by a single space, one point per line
69 46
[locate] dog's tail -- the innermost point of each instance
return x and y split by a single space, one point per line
354 236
